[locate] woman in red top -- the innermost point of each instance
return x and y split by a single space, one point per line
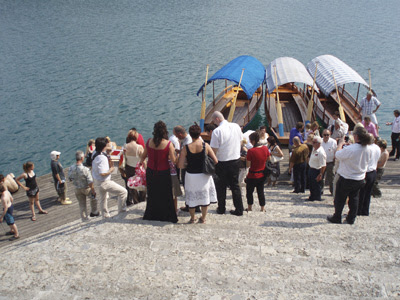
256 159
160 204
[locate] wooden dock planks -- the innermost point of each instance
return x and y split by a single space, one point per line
60 215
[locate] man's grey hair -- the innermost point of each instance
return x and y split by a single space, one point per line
370 93
179 129
317 139
337 122
296 140
79 155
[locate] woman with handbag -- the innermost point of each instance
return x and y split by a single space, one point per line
256 159
273 164
199 185
131 156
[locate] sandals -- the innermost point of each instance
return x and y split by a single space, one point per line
13 238
43 212
192 221
33 218
202 221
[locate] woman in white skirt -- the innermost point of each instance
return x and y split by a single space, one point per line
199 187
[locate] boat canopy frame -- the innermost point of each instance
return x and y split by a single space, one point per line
288 70
344 74
253 75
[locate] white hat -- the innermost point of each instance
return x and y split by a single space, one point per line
54 154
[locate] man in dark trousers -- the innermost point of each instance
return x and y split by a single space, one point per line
225 142
298 161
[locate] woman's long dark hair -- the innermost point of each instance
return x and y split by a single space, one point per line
159 132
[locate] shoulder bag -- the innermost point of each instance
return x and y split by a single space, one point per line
209 165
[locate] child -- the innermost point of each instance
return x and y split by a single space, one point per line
31 188
8 207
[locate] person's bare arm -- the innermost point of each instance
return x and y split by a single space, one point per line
182 157
321 173
211 153
172 156
215 150
279 152
144 155
3 204
383 160
22 176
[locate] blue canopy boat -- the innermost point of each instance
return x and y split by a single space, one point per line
249 95
328 101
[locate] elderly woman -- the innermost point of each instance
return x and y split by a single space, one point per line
273 165
132 154
160 203
199 187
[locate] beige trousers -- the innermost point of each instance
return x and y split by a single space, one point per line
109 186
81 195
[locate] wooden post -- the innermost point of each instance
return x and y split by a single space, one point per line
233 106
213 95
358 90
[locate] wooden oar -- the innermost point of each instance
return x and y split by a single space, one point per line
341 111
203 104
233 107
278 107
370 83
311 102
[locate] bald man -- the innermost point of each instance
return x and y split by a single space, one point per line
225 141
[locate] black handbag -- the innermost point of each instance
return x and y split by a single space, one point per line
209 165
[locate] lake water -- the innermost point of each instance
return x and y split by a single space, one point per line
72 70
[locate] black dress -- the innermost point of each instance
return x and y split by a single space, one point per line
160 204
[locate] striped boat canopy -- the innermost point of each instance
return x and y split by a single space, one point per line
343 73
288 69
253 75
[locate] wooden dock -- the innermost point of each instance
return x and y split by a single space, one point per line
59 215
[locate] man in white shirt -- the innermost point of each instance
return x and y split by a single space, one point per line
368 107
101 172
330 146
352 168
225 142
395 135
317 168
370 176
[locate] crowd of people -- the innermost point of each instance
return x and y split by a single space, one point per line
349 163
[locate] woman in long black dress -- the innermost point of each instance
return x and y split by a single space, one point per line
160 204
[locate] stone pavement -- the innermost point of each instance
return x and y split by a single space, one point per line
289 252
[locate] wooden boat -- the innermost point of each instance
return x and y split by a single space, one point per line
327 101
292 98
249 94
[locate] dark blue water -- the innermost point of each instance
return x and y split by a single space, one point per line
74 70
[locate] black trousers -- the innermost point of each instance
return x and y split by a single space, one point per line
315 186
299 176
365 194
347 188
395 144
228 175
255 183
